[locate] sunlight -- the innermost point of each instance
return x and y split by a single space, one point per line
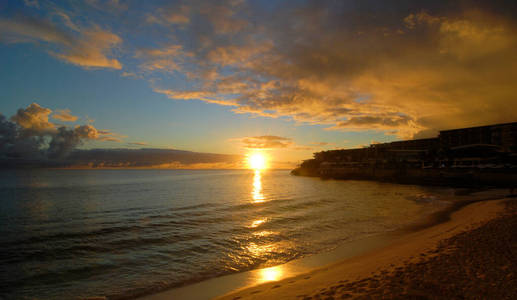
271 274
258 222
256 193
257 161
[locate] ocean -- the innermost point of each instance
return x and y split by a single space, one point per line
67 234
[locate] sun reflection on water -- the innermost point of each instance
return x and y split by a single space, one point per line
257 223
261 250
256 193
264 233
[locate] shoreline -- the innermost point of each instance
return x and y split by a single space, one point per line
235 283
381 273
451 177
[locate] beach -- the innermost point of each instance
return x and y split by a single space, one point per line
469 255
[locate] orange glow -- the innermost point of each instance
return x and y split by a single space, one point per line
257 223
257 161
271 274
264 233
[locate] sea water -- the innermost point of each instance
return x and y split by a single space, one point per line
67 234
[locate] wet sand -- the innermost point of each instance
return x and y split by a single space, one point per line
471 255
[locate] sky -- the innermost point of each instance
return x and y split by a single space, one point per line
286 77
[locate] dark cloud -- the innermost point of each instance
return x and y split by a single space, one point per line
401 68
28 139
65 140
151 158
16 143
29 136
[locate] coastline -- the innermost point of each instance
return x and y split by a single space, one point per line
402 269
291 276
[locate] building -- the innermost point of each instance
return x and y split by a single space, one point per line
472 147
502 135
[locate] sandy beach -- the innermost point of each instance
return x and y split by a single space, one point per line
471 255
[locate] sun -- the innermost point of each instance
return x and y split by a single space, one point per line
257 161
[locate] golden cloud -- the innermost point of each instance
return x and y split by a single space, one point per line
265 142
409 76
34 118
64 115
90 49
165 59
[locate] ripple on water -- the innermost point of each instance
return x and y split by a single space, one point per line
130 232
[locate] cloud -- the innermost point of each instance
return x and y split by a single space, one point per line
265 142
137 143
205 96
28 139
109 136
130 74
224 16
164 59
64 115
178 19
30 135
422 67
303 148
221 17
402 125
66 140
178 15
270 142
91 48
321 144
65 18
153 158
31 3
115 6
14 143
404 69
33 118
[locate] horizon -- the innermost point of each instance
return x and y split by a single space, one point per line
227 78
